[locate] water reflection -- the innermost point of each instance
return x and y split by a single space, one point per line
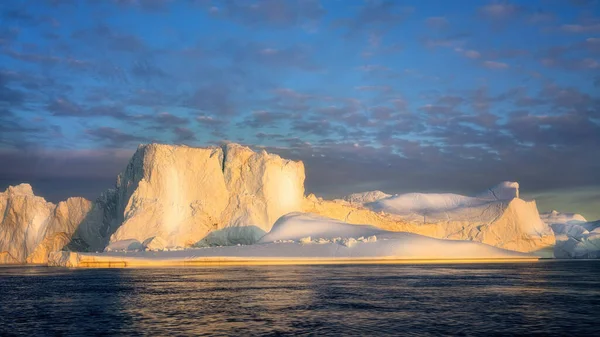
553 298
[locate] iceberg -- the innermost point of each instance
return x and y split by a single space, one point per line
300 238
172 198
204 196
31 227
576 238
497 217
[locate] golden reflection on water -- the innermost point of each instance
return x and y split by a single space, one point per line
318 300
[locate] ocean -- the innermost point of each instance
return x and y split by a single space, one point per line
547 298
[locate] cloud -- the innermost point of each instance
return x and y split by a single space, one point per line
469 53
183 134
495 65
436 22
104 37
115 137
541 17
147 5
451 41
499 11
167 119
296 56
213 100
581 28
269 12
259 119
376 14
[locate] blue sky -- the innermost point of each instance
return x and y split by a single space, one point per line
392 95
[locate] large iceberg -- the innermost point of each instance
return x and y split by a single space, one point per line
300 238
204 196
178 197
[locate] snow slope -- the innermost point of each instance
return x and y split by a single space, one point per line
306 238
496 217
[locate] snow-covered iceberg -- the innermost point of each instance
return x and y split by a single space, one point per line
575 236
178 197
299 238
497 217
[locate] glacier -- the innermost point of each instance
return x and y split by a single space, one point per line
173 198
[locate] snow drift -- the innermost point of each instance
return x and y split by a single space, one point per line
305 238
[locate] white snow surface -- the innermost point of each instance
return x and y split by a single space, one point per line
433 207
300 236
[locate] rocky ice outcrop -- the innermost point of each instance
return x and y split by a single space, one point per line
365 197
496 217
556 217
31 227
204 196
575 236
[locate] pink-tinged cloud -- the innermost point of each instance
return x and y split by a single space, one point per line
499 10
581 28
472 54
495 65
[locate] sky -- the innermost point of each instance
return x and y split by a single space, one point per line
400 96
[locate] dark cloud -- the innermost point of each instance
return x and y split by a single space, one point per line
167 119
145 70
269 12
104 37
183 135
115 137
214 100
377 14
259 119
297 56
147 5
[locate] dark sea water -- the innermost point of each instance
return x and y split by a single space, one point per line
544 298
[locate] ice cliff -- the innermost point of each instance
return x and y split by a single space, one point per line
205 196
31 227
